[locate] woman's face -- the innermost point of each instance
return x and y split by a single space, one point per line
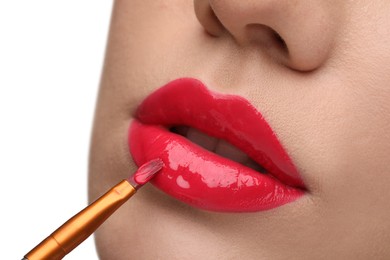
318 71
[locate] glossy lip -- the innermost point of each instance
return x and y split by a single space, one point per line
202 178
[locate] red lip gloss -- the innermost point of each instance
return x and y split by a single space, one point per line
200 177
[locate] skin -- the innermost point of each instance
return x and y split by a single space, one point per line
325 92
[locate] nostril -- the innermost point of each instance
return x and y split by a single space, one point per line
280 41
266 36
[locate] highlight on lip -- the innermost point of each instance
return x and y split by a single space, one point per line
212 159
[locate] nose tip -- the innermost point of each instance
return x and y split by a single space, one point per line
298 34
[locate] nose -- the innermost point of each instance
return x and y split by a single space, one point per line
297 34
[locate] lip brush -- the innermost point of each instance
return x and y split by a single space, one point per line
82 225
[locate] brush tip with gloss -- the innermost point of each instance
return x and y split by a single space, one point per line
146 172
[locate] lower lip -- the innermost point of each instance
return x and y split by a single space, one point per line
203 179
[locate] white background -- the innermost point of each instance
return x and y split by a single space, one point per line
51 55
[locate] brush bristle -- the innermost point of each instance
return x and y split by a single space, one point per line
147 171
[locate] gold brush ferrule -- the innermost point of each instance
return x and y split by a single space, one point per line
81 226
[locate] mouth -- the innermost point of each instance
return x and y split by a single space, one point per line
218 146
219 153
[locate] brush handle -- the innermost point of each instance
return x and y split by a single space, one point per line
81 226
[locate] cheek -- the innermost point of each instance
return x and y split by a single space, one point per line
369 134
146 39
151 39
353 146
364 66
366 100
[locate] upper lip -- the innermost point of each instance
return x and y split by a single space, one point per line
256 139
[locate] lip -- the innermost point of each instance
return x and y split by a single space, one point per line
200 177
